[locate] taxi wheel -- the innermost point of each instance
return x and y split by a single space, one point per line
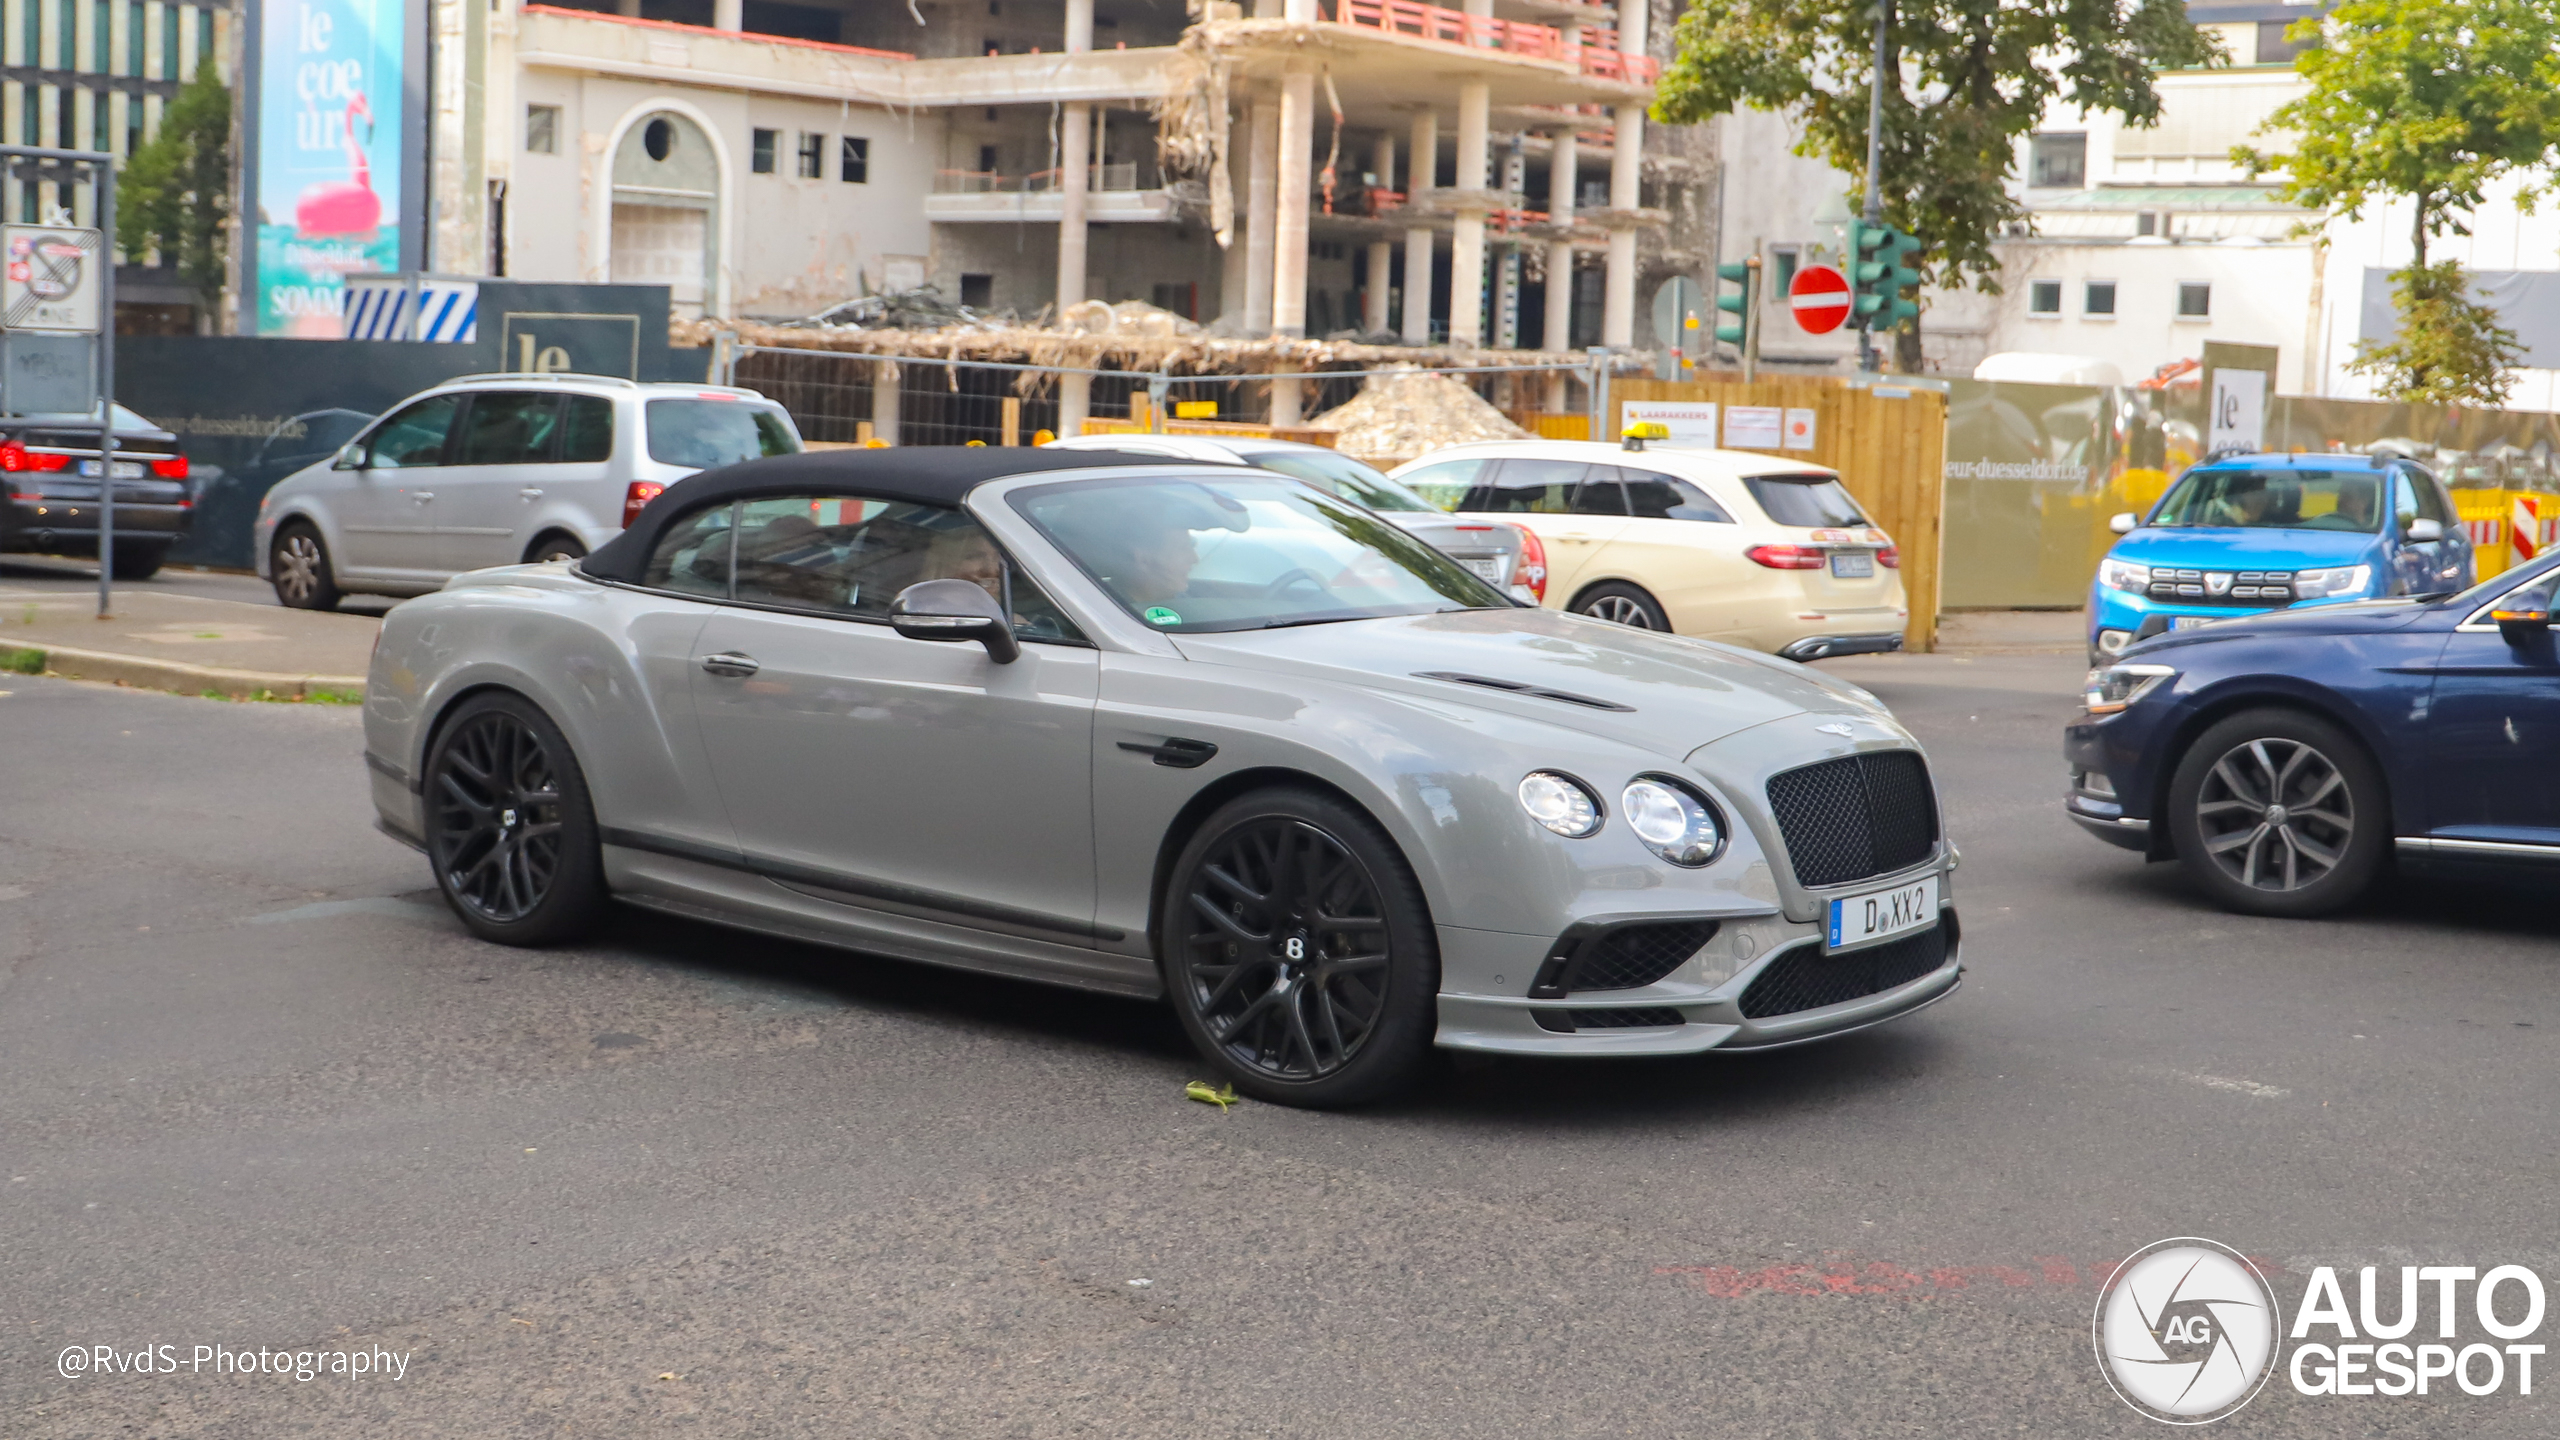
1298 951
1622 604
2277 812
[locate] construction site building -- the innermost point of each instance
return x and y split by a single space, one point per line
1362 161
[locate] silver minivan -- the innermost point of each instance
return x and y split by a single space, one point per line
497 470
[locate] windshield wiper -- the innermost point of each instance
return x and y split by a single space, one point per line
1310 620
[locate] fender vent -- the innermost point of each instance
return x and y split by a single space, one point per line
1519 688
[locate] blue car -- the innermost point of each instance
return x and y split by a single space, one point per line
2266 532
2285 758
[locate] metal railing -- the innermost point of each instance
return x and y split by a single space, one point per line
1598 54
1121 176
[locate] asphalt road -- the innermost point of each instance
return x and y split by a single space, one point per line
257 1089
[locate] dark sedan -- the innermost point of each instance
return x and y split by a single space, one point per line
2283 759
51 466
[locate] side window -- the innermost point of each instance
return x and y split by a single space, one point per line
692 555
1655 496
415 436
1529 487
1447 484
586 432
2404 497
853 557
1600 493
510 427
2432 501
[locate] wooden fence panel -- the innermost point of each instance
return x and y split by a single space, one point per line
1888 443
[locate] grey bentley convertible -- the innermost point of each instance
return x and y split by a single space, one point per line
1165 729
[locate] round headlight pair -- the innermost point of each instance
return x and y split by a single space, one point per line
1673 821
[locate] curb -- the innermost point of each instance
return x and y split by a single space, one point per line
181 678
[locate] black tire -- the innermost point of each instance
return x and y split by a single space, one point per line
555 547
1240 900
1622 604
511 832
140 562
298 567
2279 812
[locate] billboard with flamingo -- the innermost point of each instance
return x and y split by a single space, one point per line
332 149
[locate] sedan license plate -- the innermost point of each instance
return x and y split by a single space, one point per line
1487 567
125 469
2190 622
1855 565
1883 914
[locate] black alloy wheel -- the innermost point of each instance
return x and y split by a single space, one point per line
1298 951
1621 604
2277 812
298 568
509 826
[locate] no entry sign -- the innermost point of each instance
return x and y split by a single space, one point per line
1820 297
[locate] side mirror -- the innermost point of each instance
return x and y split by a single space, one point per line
2422 532
954 610
350 456
2123 524
2524 628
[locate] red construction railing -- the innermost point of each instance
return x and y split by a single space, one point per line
1599 54
1602 59
718 34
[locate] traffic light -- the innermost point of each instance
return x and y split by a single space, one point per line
1877 276
1745 276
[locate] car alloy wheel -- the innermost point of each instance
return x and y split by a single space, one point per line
2276 814
497 817
1618 610
1284 950
301 570
1623 605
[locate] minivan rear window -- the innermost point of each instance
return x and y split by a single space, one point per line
705 433
1807 502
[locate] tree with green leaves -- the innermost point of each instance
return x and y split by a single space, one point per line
174 195
2433 100
1964 81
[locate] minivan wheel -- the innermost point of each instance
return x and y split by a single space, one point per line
298 568
139 562
555 547
2275 812
1298 951
1622 604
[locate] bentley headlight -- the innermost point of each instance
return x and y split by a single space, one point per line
1672 820
2118 686
2324 584
1561 804
2121 575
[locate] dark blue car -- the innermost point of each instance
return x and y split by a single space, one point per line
2282 759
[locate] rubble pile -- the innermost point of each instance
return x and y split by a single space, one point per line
1408 412
921 308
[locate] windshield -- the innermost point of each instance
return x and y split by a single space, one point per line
703 433
2276 500
1193 556
1341 475
1806 501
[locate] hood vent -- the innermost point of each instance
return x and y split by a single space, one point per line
1517 688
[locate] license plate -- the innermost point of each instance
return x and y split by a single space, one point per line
1883 914
125 469
1858 565
1487 567
2189 622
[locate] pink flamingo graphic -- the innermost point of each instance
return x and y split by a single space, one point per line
343 207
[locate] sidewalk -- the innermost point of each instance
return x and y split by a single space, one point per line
2012 632
187 643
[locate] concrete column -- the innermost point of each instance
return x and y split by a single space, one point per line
884 402
1302 12
1466 244
628 8
1563 179
1626 173
1075 158
1422 166
1289 228
1261 210
728 14
1075 403
1286 395
1382 163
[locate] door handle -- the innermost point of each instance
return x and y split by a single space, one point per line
730 663
530 492
422 496
1176 752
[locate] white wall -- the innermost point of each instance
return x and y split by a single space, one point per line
2260 296
2503 237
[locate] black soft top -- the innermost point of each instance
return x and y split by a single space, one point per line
926 475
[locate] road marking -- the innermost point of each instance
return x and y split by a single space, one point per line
2237 1087
392 906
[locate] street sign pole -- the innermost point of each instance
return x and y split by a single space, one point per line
33 165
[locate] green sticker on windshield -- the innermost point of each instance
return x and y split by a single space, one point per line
1158 615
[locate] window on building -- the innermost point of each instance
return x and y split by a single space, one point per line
813 155
103 36
766 142
66 45
542 129
978 292
1783 260
168 44
2195 300
2098 298
2058 162
2044 297
986 159
2274 46
854 161
135 51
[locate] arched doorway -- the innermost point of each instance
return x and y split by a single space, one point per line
666 211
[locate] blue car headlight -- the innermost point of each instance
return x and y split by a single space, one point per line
2124 575
2323 584
2117 686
